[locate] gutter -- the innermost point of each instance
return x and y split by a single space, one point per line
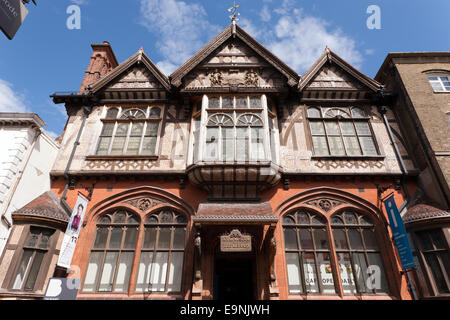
86 111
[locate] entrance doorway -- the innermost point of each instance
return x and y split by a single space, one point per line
234 278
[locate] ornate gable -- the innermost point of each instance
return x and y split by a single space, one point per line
136 78
234 60
331 76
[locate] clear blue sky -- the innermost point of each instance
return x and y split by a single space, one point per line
45 56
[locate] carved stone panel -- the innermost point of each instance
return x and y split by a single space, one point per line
138 77
324 204
334 77
144 204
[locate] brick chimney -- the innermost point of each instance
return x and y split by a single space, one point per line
102 61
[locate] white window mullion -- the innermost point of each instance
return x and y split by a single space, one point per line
202 135
112 137
266 137
127 138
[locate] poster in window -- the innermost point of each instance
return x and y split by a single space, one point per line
72 232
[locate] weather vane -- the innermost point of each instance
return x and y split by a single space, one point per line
234 12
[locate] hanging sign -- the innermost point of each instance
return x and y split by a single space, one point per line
12 15
72 232
399 233
236 242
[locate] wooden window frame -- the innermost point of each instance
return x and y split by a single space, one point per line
440 81
322 119
147 120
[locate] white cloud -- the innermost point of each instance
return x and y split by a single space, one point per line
182 28
265 14
166 66
299 40
11 101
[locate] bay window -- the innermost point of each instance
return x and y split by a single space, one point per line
234 129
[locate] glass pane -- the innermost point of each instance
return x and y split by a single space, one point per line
290 239
358 113
437 236
438 276
122 129
120 217
109 267
107 129
181 219
433 78
133 146
309 269
214 103
365 221
339 239
293 273
317 220
132 219
368 146
227 103
116 238
104 219
241 102
242 149
347 128
175 272
303 218
112 113
255 102
336 146
23 267
158 272
320 145
370 239
164 238
101 237
288 220
149 146
317 127
377 273
33 237
350 218
352 146
103 145
212 144
143 278
332 128
336 220
355 239
45 238
326 275
152 129
137 128
362 128
321 239
257 144
361 272
178 238
305 239
425 240
155 113
130 238
166 217
313 113
90 279
347 280
149 238
124 271
117 146
228 144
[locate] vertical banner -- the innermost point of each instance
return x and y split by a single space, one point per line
72 232
399 233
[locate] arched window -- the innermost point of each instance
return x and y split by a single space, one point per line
307 253
162 253
112 253
132 134
341 131
358 254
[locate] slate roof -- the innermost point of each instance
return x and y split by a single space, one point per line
421 212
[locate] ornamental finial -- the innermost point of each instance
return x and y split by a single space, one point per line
234 12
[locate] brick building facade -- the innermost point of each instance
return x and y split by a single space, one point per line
233 177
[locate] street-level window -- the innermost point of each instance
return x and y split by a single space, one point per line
433 251
34 250
162 253
307 254
235 129
440 83
358 254
130 132
112 253
341 131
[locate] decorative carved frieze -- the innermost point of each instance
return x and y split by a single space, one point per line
137 78
348 164
324 204
144 204
121 165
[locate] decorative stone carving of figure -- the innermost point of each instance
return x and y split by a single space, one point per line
216 78
251 79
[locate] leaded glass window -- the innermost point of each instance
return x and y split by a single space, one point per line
112 253
162 253
130 132
341 131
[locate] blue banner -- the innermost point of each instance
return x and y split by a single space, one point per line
399 233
